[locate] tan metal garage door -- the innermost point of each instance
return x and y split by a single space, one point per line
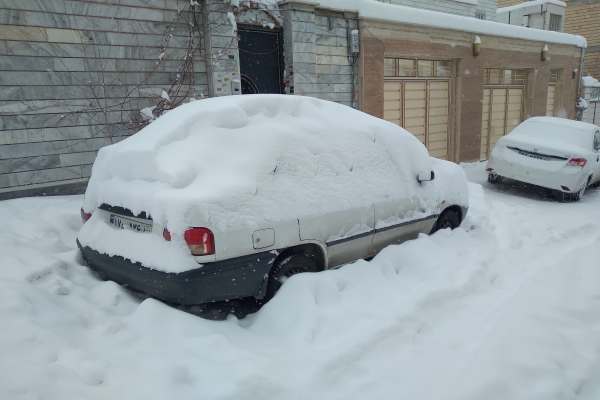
421 107
502 112
417 97
550 100
502 106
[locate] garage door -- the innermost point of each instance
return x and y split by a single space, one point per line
550 100
502 107
419 105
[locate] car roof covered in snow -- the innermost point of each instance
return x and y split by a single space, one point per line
561 122
559 132
234 157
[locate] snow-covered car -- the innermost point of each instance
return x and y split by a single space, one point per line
554 153
224 198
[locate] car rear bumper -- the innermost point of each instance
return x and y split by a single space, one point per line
564 179
216 281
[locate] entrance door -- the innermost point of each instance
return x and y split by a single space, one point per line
261 59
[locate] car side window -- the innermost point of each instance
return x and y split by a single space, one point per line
597 140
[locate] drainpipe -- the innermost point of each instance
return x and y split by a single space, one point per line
580 91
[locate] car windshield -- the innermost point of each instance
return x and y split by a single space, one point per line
554 132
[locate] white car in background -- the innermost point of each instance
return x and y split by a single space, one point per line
224 198
554 153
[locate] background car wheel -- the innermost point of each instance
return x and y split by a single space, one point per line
494 179
567 197
288 266
450 218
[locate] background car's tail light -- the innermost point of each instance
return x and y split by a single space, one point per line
577 162
85 215
201 241
166 235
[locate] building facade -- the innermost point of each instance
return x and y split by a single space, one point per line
542 14
482 9
582 17
79 75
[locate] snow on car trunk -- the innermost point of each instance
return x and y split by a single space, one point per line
552 136
505 307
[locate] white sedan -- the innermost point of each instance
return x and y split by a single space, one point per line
224 198
554 153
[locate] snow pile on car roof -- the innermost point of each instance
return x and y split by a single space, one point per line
566 134
229 160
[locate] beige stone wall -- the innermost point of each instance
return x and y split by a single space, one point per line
384 40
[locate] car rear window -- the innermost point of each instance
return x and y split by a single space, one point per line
555 132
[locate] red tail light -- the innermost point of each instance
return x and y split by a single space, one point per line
201 241
166 235
577 162
85 215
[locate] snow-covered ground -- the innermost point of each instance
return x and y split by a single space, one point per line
507 307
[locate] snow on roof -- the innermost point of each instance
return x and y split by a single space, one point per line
532 3
375 10
590 81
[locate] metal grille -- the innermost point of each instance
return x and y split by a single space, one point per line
412 68
555 22
499 76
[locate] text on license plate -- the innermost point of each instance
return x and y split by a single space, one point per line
130 224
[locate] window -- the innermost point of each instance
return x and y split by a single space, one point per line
555 22
406 68
555 75
525 20
498 76
597 140
480 14
410 68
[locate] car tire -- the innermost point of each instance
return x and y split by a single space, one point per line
494 179
574 197
449 219
288 266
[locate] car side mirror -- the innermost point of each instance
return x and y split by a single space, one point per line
425 176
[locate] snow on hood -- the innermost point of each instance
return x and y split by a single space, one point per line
228 161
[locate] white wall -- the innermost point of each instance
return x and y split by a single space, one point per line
461 7
539 15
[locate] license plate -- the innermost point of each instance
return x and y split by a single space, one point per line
121 222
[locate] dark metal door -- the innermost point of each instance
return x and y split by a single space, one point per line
261 59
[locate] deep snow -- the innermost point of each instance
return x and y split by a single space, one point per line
505 307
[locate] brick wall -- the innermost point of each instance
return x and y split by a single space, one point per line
74 75
583 18
506 3
452 6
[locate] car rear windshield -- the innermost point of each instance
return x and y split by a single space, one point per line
555 133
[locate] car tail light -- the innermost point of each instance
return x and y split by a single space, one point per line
85 215
577 162
166 235
201 241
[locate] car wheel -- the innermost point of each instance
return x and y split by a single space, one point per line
567 197
288 266
449 219
494 179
